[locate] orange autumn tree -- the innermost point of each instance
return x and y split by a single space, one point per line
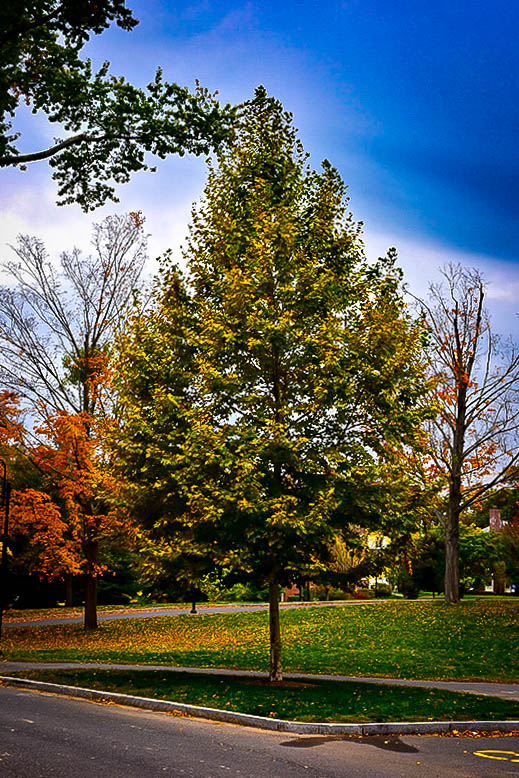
38 539
12 432
56 330
73 458
58 536
55 529
48 549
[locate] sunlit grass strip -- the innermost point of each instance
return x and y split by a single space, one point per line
473 641
338 701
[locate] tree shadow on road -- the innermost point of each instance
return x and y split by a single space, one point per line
386 743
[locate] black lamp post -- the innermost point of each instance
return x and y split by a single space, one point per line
5 497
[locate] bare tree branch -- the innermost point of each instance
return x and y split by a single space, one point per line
56 324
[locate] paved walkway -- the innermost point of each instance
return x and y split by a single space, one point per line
504 691
134 614
182 611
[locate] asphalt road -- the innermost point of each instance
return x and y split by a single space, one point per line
45 736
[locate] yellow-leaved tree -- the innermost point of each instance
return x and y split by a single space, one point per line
261 392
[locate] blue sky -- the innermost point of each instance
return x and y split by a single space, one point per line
416 103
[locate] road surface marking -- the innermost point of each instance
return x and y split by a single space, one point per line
488 755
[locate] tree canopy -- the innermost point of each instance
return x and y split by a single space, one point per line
110 124
260 393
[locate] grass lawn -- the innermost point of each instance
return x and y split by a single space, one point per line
294 700
424 639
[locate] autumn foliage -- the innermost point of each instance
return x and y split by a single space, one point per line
49 548
56 331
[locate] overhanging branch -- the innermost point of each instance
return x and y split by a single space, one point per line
22 159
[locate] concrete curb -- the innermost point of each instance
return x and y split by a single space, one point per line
261 722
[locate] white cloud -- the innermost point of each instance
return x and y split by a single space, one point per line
421 262
166 199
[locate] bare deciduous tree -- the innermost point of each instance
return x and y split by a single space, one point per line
55 324
474 438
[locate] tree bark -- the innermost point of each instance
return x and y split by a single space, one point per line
452 536
17 159
68 591
74 140
91 549
462 372
90 602
275 633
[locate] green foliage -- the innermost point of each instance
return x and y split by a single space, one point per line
350 562
263 397
428 561
382 590
479 554
510 545
122 584
505 498
217 587
407 585
111 124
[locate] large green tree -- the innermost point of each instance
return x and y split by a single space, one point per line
109 125
260 396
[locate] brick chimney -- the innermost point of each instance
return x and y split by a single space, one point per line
495 519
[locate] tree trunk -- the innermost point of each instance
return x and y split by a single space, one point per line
91 549
90 602
4 583
68 591
275 633
452 543
452 530
499 578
